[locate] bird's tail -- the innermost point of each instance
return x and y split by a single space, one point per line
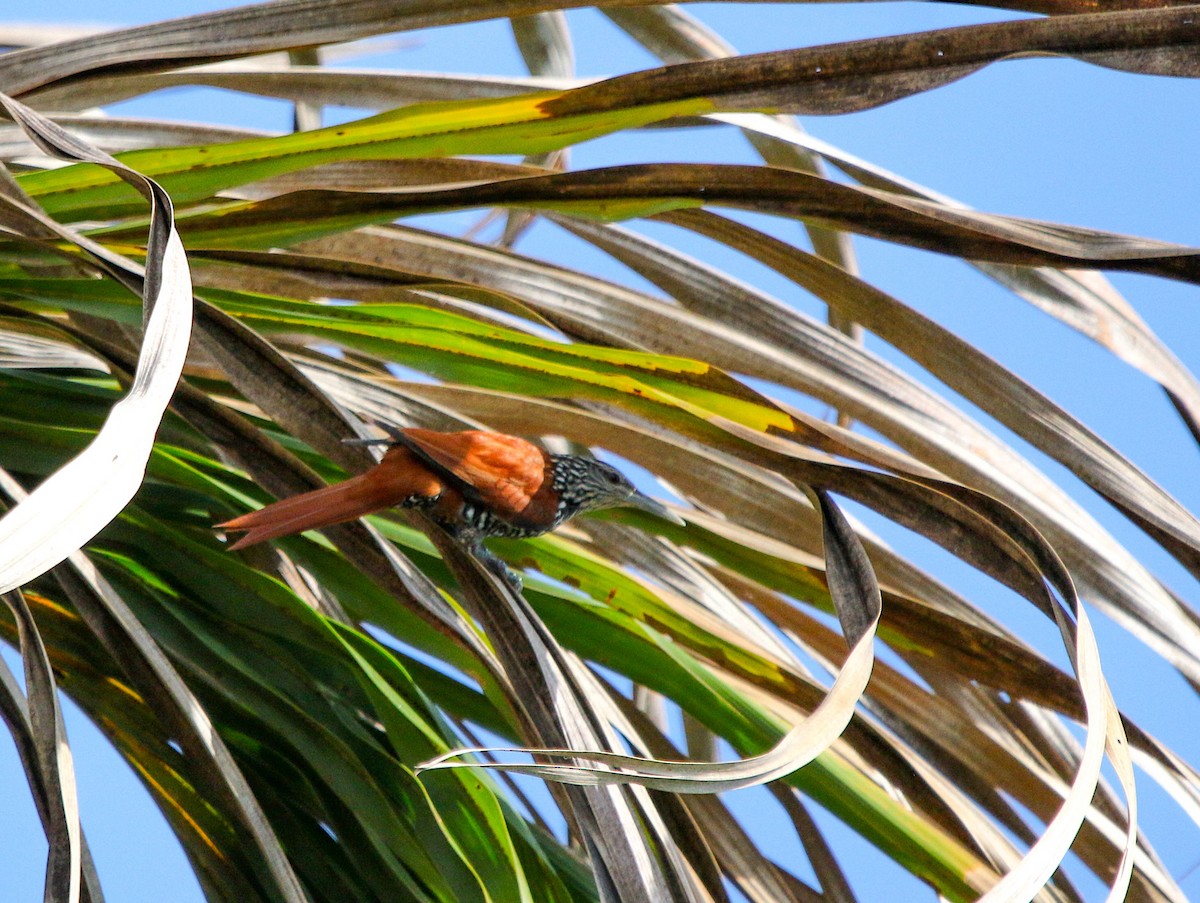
324 507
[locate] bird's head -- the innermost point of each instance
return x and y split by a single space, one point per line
585 484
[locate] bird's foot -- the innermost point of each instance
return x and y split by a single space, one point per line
489 559
498 567
503 571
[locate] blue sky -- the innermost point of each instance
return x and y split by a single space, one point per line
1046 139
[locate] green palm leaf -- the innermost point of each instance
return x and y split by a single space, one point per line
279 703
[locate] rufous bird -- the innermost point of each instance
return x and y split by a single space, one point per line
474 484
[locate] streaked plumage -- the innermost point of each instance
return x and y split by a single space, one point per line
475 484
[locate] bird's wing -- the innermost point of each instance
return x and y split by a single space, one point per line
502 472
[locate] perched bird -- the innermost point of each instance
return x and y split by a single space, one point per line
474 484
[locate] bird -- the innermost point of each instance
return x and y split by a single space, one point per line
474 484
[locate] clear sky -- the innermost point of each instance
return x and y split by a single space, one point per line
1047 139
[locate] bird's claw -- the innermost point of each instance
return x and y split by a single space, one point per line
503 571
493 563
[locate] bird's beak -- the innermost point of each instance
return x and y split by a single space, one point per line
637 500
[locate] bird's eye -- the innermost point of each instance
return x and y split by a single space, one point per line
614 478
